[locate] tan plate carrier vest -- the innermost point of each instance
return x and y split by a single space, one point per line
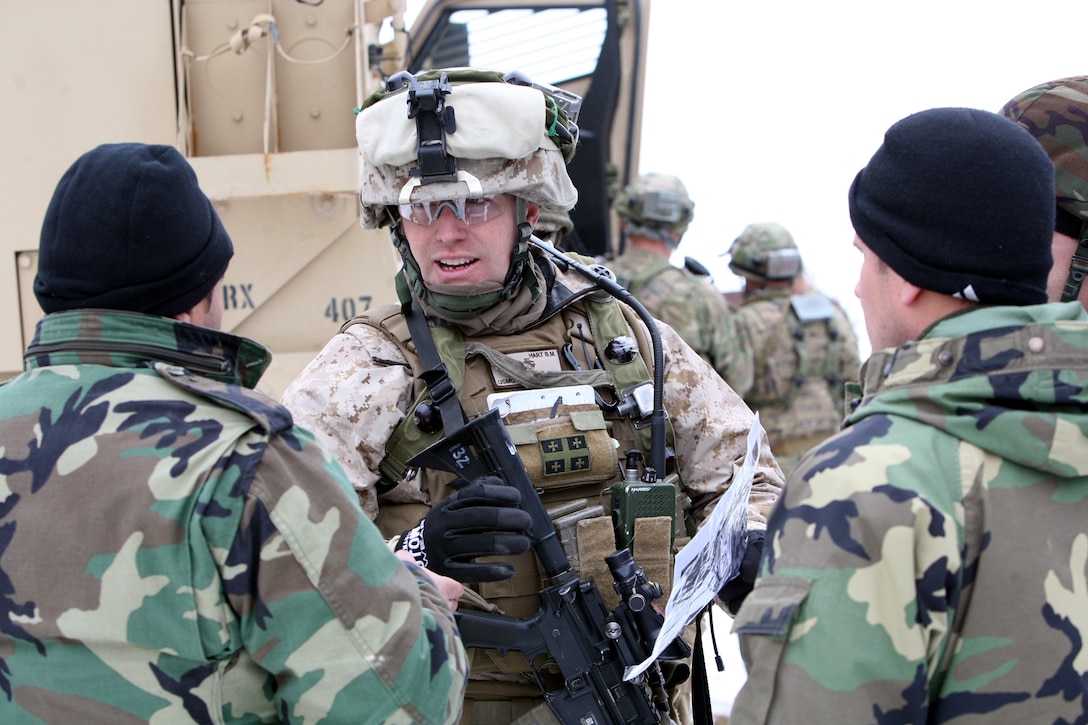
493 363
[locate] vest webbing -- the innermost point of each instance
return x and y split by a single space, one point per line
824 367
607 319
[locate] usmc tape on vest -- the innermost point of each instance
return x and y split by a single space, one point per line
547 360
543 399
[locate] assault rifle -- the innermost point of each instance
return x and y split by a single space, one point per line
577 649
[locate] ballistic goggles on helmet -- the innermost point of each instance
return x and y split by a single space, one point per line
662 205
471 211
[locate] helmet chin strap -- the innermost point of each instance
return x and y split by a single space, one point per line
519 255
1078 267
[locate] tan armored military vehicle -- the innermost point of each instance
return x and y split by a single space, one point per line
259 95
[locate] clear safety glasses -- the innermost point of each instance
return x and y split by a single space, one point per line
470 211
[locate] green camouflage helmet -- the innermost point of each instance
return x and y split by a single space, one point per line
657 205
553 224
1056 114
765 251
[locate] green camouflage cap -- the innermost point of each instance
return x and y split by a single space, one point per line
499 135
657 205
765 251
1056 114
553 224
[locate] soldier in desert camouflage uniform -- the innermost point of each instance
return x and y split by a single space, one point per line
506 317
655 211
803 346
1056 114
172 548
929 564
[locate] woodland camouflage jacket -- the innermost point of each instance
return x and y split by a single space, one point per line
929 563
173 549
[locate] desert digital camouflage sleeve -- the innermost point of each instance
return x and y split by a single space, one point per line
342 386
711 423
695 309
700 315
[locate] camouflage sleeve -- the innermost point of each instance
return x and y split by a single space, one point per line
754 324
679 304
857 593
701 316
711 423
350 633
736 361
352 404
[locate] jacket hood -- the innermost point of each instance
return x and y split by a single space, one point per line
1009 380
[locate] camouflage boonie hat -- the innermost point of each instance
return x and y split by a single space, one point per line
1056 114
765 251
657 202
500 137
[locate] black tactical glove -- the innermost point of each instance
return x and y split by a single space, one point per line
736 589
481 519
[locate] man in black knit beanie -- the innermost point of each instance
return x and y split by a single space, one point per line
128 228
172 546
950 215
926 564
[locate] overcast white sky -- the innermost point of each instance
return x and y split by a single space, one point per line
767 110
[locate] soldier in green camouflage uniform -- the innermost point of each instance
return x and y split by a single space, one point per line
804 349
172 548
1056 114
655 211
929 563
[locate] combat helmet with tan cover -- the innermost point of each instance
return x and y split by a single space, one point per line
453 139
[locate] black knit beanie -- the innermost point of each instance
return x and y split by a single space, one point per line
961 202
129 228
